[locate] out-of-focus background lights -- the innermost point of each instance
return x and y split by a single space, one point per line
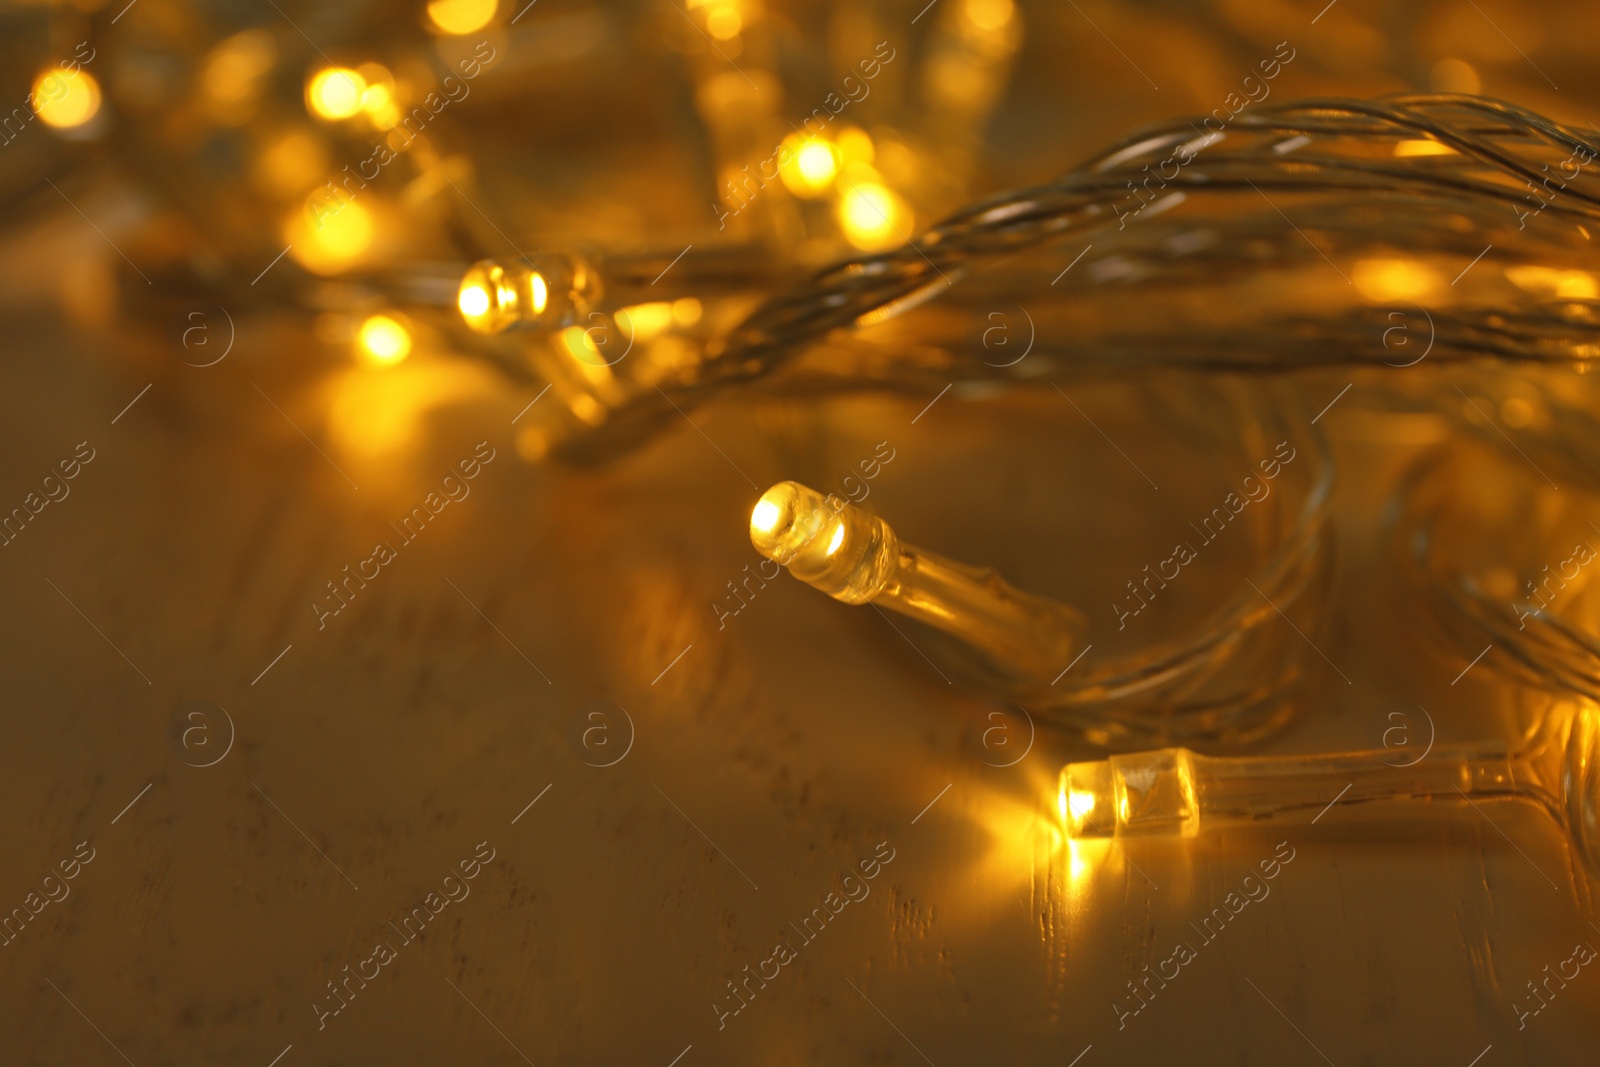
66 100
383 340
873 216
335 92
460 16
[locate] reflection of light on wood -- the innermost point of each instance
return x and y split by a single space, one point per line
375 415
1395 279
1549 281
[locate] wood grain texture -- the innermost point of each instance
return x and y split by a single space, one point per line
773 757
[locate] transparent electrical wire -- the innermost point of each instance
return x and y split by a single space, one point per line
1469 524
1506 560
1260 217
1231 677
1219 656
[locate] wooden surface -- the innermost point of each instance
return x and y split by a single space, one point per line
765 763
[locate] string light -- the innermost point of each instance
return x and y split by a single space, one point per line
854 557
495 297
1174 792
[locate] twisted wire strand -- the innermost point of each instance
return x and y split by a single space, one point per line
1230 677
1329 161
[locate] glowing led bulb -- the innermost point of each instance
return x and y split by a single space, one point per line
383 340
335 92
1175 792
495 297
66 100
855 557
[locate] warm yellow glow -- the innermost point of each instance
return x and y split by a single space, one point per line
989 15
581 345
836 540
724 23
1422 146
809 167
379 418
1395 279
329 235
66 100
1455 76
644 322
764 519
460 16
817 164
376 99
855 146
1550 281
384 341
494 296
232 73
873 216
335 92
291 163
1080 804
686 311
473 300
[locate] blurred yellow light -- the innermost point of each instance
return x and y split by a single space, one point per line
646 321
817 164
378 418
1549 281
581 346
335 92
328 236
854 145
66 100
540 291
1455 76
1395 279
686 311
233 72
291 163
724 23
461 16
384 341
989 14
873 216
811 166
376 99
1422 146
